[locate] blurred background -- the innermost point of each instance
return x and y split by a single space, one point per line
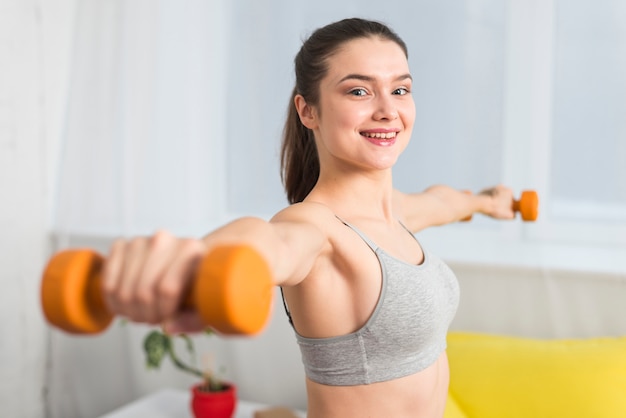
118 118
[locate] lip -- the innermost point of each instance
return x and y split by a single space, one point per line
381 142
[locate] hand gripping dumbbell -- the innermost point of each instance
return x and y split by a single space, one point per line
231 291
527 206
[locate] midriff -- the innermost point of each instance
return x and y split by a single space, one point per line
420 395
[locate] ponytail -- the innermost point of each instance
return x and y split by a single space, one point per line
300 166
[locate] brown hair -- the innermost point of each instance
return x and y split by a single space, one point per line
300 165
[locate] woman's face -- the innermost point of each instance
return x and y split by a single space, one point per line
366 112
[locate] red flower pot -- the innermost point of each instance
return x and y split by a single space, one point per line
213 404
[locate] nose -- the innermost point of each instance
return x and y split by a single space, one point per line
385 108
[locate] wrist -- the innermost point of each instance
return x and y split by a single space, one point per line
477 203
485 202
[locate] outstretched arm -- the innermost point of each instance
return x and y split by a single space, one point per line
289 242
440 205
146 278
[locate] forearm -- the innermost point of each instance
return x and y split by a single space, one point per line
462 204
288 258
251 231
254 232
441 205
457 205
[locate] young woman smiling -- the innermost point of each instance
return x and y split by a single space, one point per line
369 305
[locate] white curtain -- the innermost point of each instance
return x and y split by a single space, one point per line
174 121
145 128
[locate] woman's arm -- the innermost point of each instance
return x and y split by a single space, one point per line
146 278
440 205
290 242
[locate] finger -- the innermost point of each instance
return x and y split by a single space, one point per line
507 203
503 202
162 249
130 305
179 276
111 274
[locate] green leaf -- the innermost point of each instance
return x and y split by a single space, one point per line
156 345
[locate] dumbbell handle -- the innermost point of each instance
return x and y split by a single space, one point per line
232 291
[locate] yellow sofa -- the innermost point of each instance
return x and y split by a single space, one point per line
495 376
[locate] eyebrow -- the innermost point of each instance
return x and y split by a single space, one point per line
368 78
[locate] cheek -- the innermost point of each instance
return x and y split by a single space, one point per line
408 115
408 109
339 117
353 117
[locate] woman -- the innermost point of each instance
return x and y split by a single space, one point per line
369 306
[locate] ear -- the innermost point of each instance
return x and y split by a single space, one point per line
307 113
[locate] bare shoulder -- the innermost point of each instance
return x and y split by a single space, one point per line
306 232
306 223
307 213
315 221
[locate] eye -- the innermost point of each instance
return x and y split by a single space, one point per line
401 91
358 92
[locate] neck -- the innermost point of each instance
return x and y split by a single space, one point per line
357 195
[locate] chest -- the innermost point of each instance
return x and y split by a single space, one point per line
416 304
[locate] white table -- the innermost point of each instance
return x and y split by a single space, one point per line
174 403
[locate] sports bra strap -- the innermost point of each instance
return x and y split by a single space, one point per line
364 237
287 311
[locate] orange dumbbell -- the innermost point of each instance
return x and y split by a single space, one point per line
527 206
232 291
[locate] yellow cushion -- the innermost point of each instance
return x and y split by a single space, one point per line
510 377
452 409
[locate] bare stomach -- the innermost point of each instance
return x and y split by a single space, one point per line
421 395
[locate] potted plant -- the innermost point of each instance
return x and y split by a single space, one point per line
212 397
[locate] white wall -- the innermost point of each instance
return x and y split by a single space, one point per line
33 60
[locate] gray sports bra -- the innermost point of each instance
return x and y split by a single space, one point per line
405 334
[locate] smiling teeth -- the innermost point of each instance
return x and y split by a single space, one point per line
380 135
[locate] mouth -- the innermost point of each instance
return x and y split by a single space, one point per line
380 135
384 139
